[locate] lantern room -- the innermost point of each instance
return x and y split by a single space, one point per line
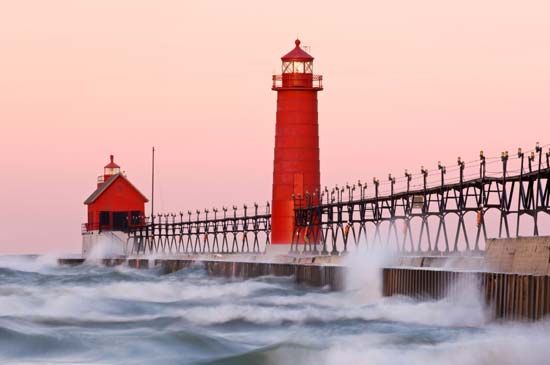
109 170
297 61
116 204
297 70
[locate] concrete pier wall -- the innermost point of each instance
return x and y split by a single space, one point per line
513 276
314 275
508 295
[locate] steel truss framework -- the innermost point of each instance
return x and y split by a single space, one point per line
330 227
229 234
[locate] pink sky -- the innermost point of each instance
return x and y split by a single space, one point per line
406 83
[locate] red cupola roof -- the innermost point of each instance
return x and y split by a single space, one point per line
112 164
297 54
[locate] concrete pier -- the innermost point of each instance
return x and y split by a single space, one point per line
314 275
512 276
319 275
509 296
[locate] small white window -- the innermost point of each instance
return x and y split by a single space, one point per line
111 171
287 67
299 67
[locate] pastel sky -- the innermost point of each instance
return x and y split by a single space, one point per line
407 83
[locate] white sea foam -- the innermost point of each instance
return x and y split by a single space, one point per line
496 345
106 246
356 326
362 300
464 307
364 273
29 263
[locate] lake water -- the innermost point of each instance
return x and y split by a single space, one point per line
97 315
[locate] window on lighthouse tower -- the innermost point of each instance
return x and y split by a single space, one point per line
297 67
287 67
111 171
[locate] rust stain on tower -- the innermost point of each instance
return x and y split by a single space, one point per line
296 170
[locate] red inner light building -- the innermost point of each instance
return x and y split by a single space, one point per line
296 168
116 204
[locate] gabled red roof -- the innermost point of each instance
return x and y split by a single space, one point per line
99 191
297 54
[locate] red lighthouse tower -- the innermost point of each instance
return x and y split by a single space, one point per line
296 165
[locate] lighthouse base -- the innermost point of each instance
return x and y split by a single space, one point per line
104 244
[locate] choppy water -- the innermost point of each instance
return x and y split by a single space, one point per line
98 315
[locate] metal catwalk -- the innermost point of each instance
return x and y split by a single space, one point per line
444 211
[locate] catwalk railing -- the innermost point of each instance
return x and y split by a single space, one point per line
223 232
443 211
463 207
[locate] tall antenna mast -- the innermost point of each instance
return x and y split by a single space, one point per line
153 186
